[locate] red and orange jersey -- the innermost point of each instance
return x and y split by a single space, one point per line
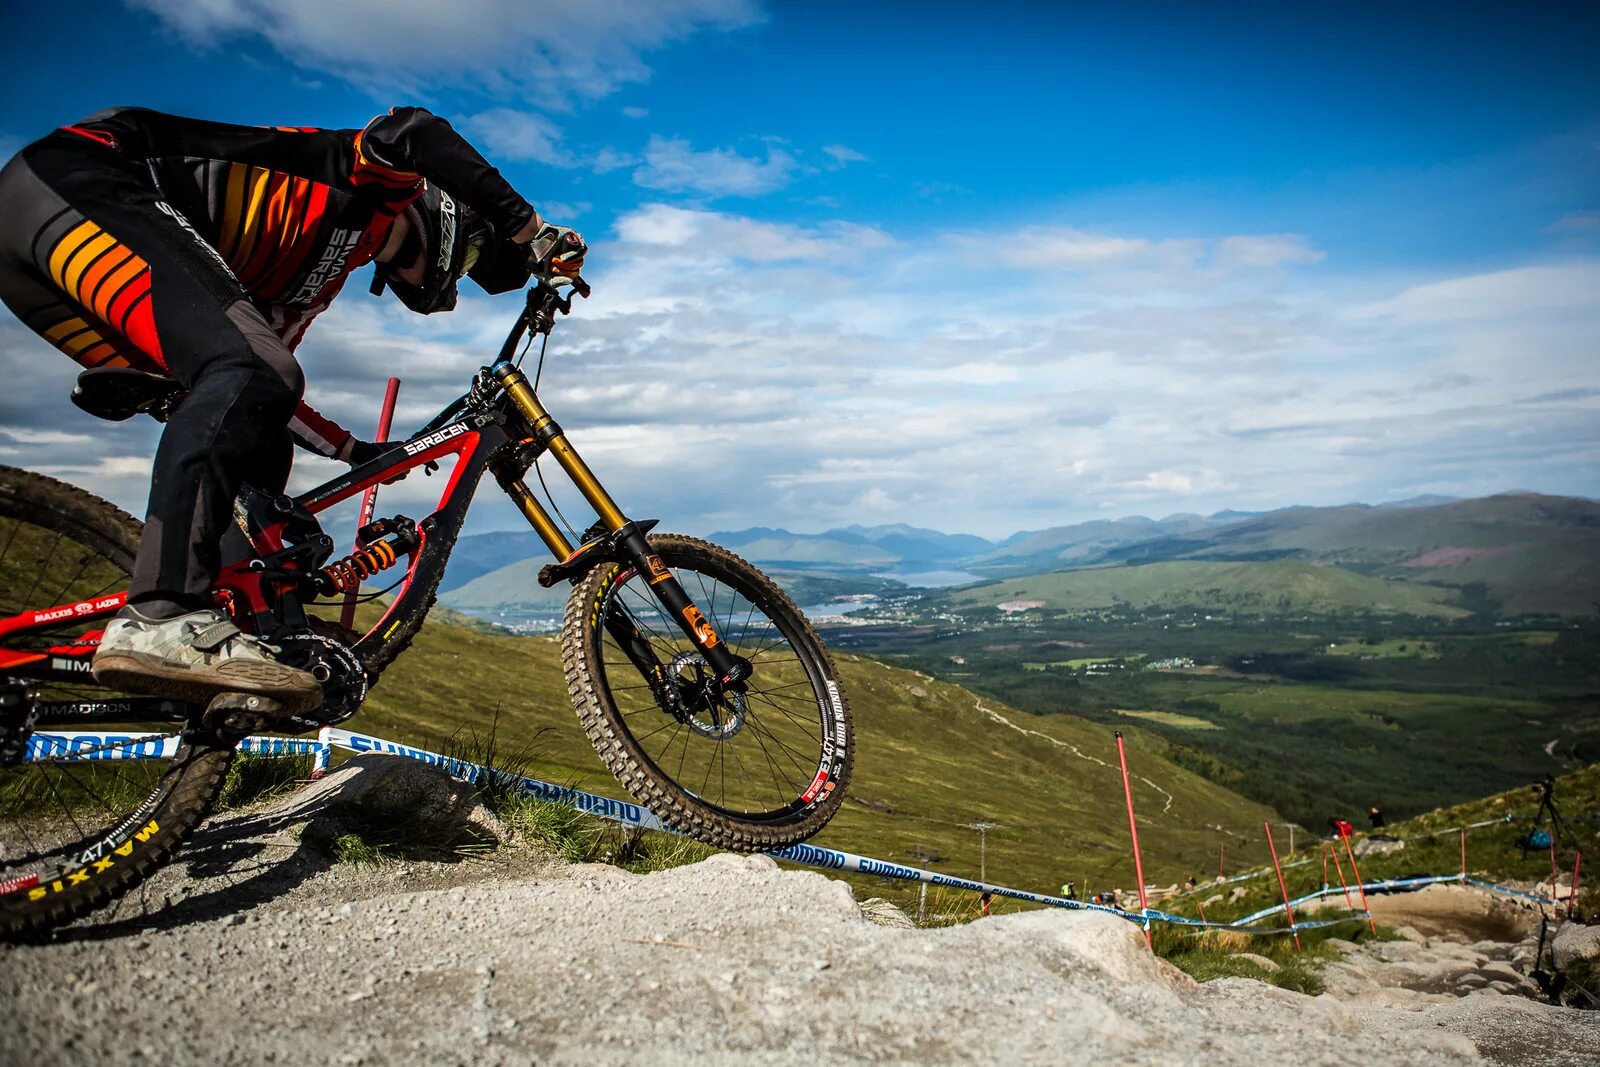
293 210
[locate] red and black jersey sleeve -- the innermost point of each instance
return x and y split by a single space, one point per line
414 139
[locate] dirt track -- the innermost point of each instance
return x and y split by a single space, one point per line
269 954
1444 910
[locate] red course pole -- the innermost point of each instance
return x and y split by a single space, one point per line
1339 868
369 500
1287 911
1360 885
1133 831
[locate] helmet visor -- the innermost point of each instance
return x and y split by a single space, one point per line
476 240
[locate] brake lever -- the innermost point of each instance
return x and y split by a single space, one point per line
545 298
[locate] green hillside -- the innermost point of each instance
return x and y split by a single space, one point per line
1062 546
514 585
928 763
818 552
515 588
1532 553
1251 588
1433 847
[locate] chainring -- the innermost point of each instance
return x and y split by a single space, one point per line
335 665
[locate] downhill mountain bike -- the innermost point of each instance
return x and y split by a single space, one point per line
701 685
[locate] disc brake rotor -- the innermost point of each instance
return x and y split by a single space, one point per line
705 708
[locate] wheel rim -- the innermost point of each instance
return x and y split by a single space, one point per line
82 788
764 760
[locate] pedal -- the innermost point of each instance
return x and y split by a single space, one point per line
240 713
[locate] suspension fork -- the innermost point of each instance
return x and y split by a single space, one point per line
631 544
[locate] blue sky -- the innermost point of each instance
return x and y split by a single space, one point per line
980 271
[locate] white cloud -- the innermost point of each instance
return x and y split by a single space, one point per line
1165 482
1497 294
732 370
563 209
636 112
843 155
1263 251
1052 247
1582 221
709 237
673 165
1068 248
44 437
516 135
545 48
609 159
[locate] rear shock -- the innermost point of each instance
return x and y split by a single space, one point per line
384 542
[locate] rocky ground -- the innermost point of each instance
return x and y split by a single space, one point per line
258 948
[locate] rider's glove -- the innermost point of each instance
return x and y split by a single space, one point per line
556 250
356 451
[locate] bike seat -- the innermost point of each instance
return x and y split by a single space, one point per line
118 393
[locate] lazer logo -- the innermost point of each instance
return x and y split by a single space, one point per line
422 444
82 607
329 265
447 230
177 216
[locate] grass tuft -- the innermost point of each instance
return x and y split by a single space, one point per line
580 838
255 778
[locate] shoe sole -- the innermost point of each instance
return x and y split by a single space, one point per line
133 673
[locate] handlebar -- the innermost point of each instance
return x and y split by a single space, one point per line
539 314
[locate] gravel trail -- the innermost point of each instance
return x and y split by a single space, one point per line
268 954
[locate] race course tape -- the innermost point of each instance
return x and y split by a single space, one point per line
78 745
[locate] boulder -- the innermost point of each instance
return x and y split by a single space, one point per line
1378 845
1411 934
885 913
375 789
1574 942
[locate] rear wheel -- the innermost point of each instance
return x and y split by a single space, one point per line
91 801
750 771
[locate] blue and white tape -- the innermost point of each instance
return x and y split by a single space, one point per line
72 746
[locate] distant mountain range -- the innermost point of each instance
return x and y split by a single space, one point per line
1513 552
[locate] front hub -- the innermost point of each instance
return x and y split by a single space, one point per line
706 707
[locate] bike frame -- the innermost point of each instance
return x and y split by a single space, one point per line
498 427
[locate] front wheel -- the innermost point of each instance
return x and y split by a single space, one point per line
751 770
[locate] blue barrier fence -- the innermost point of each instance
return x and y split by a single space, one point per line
71 746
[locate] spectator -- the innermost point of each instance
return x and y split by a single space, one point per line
1376 816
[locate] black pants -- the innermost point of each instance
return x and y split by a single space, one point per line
94 261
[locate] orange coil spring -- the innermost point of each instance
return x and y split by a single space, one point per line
346 575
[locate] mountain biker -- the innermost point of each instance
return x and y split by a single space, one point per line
201 251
